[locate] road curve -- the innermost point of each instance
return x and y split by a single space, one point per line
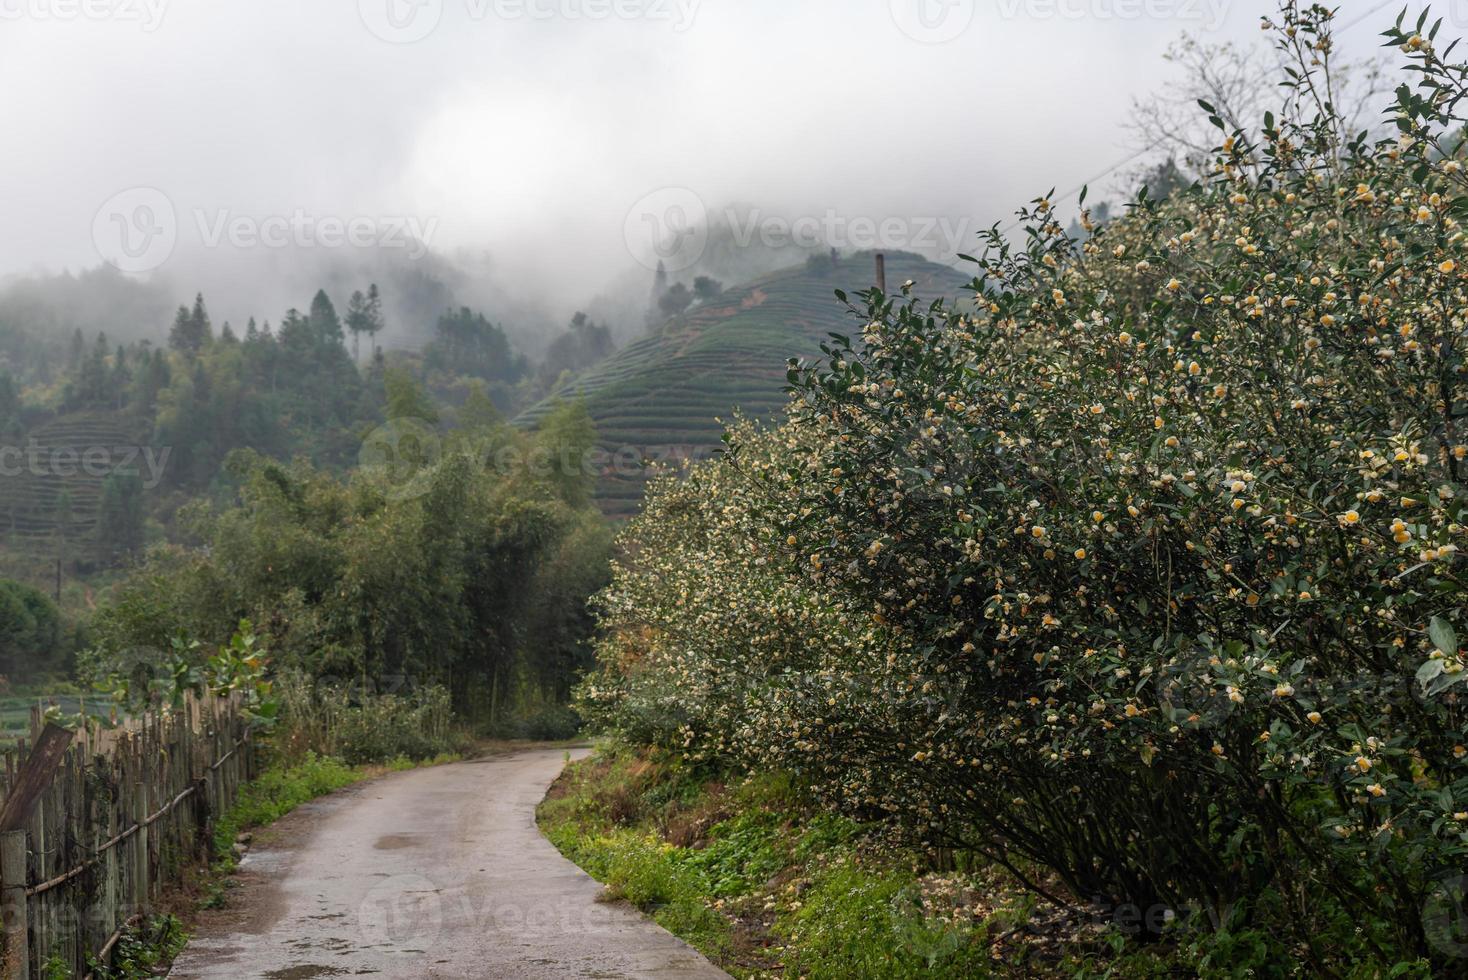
436 872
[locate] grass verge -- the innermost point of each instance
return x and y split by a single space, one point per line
761 883
767 885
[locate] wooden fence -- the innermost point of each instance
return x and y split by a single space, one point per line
95 823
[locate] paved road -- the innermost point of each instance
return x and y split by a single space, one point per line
436 872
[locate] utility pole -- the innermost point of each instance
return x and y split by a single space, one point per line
882 273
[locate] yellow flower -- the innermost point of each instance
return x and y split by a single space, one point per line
1376 789
1038 531
1350 517
1448 267
1363 763
1283 691
1313 717
1097 516
1080 554
1173 285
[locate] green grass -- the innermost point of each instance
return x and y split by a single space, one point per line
758 882
277 792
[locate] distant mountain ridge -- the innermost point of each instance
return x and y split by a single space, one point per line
659 397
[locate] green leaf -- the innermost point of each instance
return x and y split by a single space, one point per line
1443 636
1429 671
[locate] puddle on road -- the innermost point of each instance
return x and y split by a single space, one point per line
394 842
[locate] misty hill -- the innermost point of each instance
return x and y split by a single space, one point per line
659 398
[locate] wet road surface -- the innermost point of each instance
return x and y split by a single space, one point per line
435 872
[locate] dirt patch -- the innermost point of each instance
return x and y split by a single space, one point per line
396 842
305 972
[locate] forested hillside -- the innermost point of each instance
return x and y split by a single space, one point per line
660 398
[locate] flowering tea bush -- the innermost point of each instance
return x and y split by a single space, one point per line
1144 565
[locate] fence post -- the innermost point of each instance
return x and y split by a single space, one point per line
12 894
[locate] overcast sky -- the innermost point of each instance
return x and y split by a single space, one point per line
533 128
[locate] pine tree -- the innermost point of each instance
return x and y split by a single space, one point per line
375 322
358 323
326 326
191 331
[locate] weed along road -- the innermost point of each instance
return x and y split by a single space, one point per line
437 872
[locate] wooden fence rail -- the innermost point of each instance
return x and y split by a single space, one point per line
96 823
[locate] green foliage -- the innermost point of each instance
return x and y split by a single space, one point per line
30 631
1143 570
361 726
473 583
833 908
143 950
466 343
278 791
660 398
145 681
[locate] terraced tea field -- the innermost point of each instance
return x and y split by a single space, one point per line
15 712
54 491
660 397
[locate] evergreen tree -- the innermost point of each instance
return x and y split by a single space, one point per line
120 516
78 351
357 322
375 322
326 326
191 329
